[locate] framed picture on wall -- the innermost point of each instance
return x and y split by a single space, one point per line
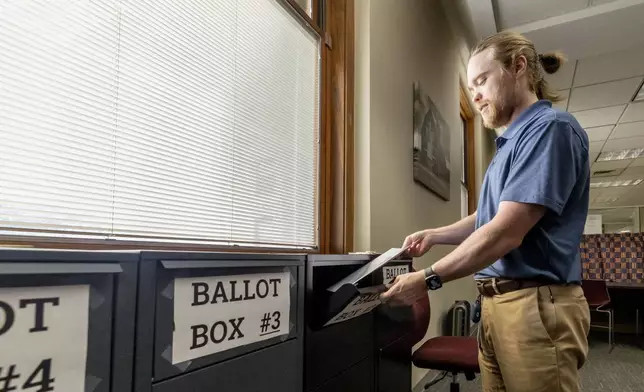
431 154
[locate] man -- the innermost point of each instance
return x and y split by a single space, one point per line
522 243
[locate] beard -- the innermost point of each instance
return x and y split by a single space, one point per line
493 115
498 113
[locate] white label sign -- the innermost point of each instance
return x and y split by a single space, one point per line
217 313
389 273
43 338
368 300
593 224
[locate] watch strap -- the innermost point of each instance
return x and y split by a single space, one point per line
432 280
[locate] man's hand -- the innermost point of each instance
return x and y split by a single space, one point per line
419 243
407 289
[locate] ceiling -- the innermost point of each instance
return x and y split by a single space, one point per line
604 43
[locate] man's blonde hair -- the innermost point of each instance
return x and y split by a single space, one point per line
508 46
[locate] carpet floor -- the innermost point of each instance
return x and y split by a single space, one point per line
620 371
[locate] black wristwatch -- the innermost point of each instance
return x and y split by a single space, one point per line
432 280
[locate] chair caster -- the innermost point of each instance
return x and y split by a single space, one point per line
434 382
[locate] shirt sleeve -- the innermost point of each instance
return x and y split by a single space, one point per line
545 166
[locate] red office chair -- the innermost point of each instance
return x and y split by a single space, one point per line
598 299
450 354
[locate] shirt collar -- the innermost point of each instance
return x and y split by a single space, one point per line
526 116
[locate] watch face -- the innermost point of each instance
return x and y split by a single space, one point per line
433 282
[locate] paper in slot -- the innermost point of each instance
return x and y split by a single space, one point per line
368 299
369 268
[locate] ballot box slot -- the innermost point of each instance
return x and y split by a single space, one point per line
325 304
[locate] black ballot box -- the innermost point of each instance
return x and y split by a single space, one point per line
345 328
67 320
358 378
219 322
394 335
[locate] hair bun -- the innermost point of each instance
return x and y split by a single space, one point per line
551 62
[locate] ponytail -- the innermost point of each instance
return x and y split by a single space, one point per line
550 63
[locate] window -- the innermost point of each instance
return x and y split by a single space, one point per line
306 5
182 121
464 190
466 131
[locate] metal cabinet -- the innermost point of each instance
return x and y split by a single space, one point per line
205 316
333 352
393 326
67 320
358 378
260 371
330 350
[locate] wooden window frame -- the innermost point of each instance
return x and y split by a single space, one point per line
467 114
337 139
333 21
311 20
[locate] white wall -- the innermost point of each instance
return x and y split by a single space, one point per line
462 32
398 42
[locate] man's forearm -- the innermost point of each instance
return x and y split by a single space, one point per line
479 250
454 234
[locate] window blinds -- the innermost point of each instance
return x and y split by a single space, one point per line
174 120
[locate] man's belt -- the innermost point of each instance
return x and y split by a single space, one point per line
496 286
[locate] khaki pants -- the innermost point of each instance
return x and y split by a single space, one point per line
529 342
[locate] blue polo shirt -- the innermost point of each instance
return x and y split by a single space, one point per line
542 158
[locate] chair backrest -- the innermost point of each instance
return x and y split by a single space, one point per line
422 314
596 291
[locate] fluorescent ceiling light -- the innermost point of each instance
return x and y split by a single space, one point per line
629 153
608 184
605 199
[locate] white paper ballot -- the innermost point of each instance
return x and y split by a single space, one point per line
365 302
369 268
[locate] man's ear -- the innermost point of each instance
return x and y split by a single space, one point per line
520 65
